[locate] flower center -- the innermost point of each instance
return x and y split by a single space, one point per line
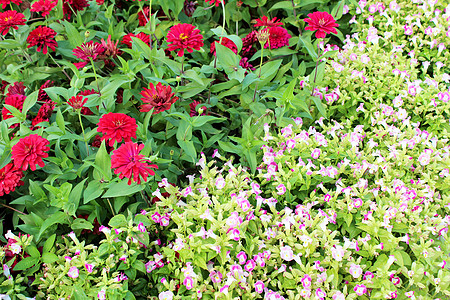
183 37
321 21
118 123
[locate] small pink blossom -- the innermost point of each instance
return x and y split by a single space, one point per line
73 272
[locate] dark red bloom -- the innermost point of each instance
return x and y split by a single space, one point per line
189 7
279 37
42 37
245 64
10 19
17 88
85 110
73 5
97 142
323 22
247 44
42 96
264 21
215 2
17 102
30 151
160 99
44 6
128 163
184 37
5 3
117 127
111 49
144 16
77 102
86 52
10 178
43 115
194 110
142 36
227 43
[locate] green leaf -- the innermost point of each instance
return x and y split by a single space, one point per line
201 120
73 35
287 5
118 221
26 263
318 78
319 106
33 251
80 223
57 218
309 47
226 57
49 244
48 258
121 188
93 191
142 48
30 101
9 44
60 121
184 131
189 149
103 162
74 198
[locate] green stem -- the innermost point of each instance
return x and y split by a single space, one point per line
315 73
111 207
95 74
259 75
82 129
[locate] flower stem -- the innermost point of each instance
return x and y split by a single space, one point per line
12 208
109 202
95 74
259 75
82 129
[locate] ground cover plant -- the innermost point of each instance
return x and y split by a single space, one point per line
224 149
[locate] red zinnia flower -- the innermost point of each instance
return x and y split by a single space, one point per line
86 110
42 95
73 5
42 37
215 2
77 102
30 151
17 88
44 6
142 36
111 49
189 7
194 111
160 99
323 22
264 21
87 51
227 43
13 100
10 18
9 179
279 37
247 44
5 3
117 126
43 114
144 16
184 37
128 163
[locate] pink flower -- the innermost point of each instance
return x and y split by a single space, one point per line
320 294
355 270
259 287
73 272
315 153
215 276
250 265
281 189
242 257
188 282
286 253
337 252
167 295
360 289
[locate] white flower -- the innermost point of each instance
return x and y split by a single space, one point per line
167 295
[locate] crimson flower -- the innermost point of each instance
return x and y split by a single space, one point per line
42 37
10 18
215 2
87 51
70 6
193 109
44 6
278 37
17 88
264 21
5 3
323 22
117 126
128 163
142 36
86 110
160 99
10 178
184 37
13 100
30 151
77 102
43 115
247 44
227 43
42 95
144 16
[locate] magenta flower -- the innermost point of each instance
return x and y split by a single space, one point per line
360 289
73 272
259 287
